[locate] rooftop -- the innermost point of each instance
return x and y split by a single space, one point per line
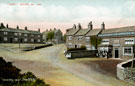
93 32
82 32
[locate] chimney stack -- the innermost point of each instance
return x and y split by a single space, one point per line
74 26
26 28
54 28
17 27
79 26
50 29
90 26
38 29
46 30
103 26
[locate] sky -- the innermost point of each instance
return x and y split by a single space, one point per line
62 14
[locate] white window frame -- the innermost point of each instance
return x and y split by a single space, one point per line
15 39
128 54
105 41
39 36
15 34
69 37
25 39
32 40
129 41
5 33
87 39
5 38
69 45
38 40
25 34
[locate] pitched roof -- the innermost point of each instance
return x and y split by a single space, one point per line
19 30
82 32
93 32
118 30
72 31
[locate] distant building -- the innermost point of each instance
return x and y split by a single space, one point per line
58 36
16 35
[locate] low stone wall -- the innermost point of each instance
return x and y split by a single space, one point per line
125 74
82 53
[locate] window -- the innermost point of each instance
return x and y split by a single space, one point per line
79 38
15 34
79 45
5 33
69 37
25 39
32 40
25 34
5 38
87 39
129 41
88 47
16 39
69 45
116 41
105 41
32 35
38 35
127 51
38 40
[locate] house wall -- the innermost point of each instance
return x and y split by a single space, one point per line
20 38
119 43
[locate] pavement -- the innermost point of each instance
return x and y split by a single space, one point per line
51 65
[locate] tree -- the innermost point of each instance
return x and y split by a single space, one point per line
95 41
50 35
64 37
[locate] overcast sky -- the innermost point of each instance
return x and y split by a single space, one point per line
62 14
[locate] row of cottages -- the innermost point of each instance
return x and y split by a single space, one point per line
58 36
77 37
116 42
16 35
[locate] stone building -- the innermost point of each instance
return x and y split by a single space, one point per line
58 36
16 35
118 41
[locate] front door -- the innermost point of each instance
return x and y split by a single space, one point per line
116 53
75 46
11 40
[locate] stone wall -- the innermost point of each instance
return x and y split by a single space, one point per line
82 53
125 74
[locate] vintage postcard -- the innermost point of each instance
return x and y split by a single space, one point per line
67 43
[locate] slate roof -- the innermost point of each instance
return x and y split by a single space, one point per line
72 31
93 32
82 32
118 30
19 30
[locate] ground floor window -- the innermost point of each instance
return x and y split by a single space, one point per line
25 39
70 45
32 40
5 38
127 50
16 39
38 40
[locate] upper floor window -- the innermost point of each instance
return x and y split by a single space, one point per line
5 33
87 39
32 35
129 41
69 37
105 41
15 34
69 45
25 34
79 38
38 35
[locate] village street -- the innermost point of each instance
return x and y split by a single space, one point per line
51 65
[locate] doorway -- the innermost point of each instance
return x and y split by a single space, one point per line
21 40
116 53
75 46
0 40
11 40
